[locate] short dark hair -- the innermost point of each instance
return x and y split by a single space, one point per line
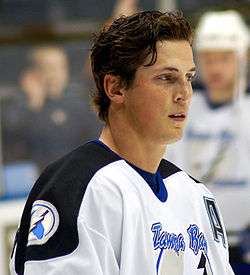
120 48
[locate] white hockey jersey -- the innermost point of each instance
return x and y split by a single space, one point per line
216 150
93 213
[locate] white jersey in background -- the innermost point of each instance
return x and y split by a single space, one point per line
93 213
215 149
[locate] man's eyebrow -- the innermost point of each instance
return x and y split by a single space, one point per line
173 69
169 69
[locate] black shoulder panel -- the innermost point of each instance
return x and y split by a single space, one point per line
62 184
167 168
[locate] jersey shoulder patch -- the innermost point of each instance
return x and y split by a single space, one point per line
44 222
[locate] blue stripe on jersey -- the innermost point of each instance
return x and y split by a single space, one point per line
155 181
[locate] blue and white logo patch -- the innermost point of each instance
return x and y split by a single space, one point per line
44 222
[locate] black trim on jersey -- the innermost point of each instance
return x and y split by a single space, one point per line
63 184
194 179
167 168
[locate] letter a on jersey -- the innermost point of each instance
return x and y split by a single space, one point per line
215 221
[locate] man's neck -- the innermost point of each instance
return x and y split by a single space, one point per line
132 148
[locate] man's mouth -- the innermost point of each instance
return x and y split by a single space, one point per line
178 116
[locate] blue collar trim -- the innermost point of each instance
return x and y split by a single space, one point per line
155 181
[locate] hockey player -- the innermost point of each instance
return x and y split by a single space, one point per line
113 206
216 145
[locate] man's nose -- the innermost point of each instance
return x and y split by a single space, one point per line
183 94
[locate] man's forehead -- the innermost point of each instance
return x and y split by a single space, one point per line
174 56
173 46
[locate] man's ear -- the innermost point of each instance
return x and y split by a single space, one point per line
113 88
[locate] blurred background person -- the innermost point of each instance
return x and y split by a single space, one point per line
216 146
46 118
60 118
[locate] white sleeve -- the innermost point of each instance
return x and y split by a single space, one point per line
94 255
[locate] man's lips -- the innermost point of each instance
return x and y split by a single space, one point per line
178 116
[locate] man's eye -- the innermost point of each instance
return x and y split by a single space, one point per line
167 78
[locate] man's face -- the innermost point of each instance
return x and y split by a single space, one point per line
157 103
218 70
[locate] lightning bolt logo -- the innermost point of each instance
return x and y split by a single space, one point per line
37 228
44 222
